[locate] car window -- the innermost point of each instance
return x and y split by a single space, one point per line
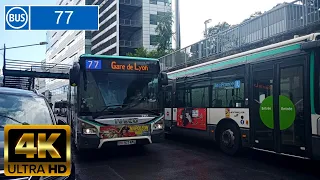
32 110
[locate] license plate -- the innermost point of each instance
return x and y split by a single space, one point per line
124 143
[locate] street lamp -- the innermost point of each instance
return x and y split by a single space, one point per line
4 53
40 43
5 48
205 26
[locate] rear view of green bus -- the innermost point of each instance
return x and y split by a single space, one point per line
115 101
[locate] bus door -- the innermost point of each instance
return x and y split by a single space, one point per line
167 104
278 110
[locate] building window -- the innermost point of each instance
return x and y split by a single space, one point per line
159 13
153 1
153 19
153 40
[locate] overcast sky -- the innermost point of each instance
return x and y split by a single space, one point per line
192 17
194 13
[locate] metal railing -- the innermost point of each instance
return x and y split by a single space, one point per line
282 19
131 2
129 22
19 82
36 66
130 44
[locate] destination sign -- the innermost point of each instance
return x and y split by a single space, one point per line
130 67
120 65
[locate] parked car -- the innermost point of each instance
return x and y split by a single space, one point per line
22 106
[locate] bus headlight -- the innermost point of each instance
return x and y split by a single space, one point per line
158 125
88 129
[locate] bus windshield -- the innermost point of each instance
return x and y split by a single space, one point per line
139 92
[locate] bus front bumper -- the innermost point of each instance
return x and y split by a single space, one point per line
94 142
157 136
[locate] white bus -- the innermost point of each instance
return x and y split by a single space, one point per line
266 99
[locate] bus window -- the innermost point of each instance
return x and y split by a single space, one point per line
228 93
179 98
200 97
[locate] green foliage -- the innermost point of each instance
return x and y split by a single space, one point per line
164 35
143 52
164 31
221 26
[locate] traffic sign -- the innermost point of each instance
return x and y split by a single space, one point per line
52 17
16 17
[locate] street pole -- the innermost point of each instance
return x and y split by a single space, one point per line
4 64
177 23
206 27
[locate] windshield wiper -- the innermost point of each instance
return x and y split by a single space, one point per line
139 102
17 121
143 109
106 108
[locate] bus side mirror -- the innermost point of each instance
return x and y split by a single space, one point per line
74 75
164 78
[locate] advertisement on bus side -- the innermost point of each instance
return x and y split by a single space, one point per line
195 118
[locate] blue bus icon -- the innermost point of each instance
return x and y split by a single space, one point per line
16 17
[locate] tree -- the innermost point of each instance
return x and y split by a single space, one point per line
139 52
221 26
164 31
143 52
255 14
164 35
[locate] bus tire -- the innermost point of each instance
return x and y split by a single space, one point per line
229 139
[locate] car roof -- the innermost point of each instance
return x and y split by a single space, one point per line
15 91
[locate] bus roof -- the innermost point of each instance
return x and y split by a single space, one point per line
117 57
242 58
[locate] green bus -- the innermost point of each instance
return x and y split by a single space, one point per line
114 101
266 99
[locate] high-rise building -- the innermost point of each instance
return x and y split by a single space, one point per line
126 25
65 47
1 80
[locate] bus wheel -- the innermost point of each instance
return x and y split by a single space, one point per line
229 140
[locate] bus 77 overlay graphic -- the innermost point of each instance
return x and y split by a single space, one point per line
52 17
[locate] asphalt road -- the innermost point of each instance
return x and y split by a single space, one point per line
189 159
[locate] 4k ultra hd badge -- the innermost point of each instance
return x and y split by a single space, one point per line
16 17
